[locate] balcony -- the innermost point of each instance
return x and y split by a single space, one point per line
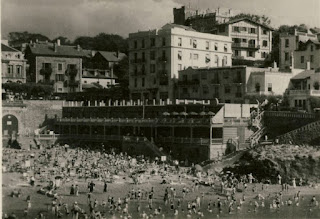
299 92
315 93
72 72
46 72
189 82
162 59
245 45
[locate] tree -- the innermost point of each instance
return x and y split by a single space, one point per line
63 40
18 38
103 42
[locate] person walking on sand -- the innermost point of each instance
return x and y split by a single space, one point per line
294 185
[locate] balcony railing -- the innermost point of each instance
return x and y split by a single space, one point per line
245 45
299 92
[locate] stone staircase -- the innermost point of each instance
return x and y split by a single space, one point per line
257 121
302 135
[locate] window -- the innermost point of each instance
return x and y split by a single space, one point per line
195 44
194 90
302 59
296 103
59 77
227 89
184 77
250 54
152 55
142 82
142 43
252 30
257 87
46 65
203 75
244 29
207 60
135 57
311 48
236 29
207 45
216 59
179 55
269 87
179 41
85 82
135 44
244 40
19 68
59 89
143 69
311 58
225 61
135 82
225 48
286 56
59 66
225 75
190 55
264 32
287 43
155 81
163 41
236 52
152 42
152 68
265 43
195 56
135 70
143 55
263 55
216 46
179 67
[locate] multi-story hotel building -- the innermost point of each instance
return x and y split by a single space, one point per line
13 65
231 84
156 56
289 42
252 41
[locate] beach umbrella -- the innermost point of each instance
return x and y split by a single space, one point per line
193 114
184 114
203 113
166 114
175 114
211 113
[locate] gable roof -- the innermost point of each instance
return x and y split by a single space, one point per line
112 56
5 48
303 75
62 50
247 19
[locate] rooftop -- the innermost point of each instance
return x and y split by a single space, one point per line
246 19
303 75
112 56
6 48
48 49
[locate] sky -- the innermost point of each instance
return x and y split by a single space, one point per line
72 18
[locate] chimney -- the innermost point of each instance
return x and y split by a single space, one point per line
308 66
55 46
58 42
93 53
78 47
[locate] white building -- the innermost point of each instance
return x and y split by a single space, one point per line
156 56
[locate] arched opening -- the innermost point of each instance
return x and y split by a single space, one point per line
10 125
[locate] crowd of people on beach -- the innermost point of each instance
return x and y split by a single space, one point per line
62 167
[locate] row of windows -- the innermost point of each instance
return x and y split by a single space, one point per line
18 69
248 29
302 58
59 66
250 41
193 43
205 90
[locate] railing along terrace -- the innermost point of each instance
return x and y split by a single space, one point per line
288 114
140 121
133 103
15 103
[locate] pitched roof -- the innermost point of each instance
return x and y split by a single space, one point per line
303 75
62 50
6 48
247 19
112 56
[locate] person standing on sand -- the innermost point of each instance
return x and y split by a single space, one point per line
279 179
294 182
105 186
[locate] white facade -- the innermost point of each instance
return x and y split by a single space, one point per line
156 57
